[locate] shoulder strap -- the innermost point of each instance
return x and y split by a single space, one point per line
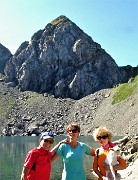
97 153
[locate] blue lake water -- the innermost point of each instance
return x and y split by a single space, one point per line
14 149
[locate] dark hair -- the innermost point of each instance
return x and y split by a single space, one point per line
76 126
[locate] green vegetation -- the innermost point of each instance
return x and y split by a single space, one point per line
124 91
6 105
57 21
33 97
30 98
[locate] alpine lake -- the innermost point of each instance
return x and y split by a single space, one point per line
13 150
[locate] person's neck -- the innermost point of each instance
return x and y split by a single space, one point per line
40 147
73 143
109 145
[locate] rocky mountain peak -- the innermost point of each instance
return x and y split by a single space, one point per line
60 20
64 61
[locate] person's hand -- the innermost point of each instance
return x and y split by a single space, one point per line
119 156
23 177
64 141
104 178
106 166
91 170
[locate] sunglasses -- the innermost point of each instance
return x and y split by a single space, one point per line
102 137
48 141
73 131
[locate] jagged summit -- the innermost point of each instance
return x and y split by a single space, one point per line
60 19
64 61
62 24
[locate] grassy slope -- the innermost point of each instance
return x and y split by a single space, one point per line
125 90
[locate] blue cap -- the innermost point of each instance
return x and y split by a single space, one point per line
46 135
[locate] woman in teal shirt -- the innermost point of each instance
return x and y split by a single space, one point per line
72 154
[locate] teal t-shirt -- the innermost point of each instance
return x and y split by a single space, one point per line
73 161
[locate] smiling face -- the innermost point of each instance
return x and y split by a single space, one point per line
102 135
73 132
46 143
103 139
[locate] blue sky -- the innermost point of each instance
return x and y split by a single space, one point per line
111 23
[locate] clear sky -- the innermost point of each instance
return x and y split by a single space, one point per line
111 23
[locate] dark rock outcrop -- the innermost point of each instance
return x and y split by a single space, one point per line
5 55
64 61
130 71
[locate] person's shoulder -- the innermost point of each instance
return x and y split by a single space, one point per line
99 150
34 151
63 146
82 144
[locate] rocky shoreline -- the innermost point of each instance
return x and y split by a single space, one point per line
129 146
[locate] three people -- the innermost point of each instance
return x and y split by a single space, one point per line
37 165
104 136
72 154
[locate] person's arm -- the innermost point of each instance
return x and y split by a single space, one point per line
24 174
115 167
54 157
118 167
121 166
57 146
97 172
95 167
92 153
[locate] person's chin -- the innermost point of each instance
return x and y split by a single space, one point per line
46 147
102 144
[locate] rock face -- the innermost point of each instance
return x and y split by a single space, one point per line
64 61
5 55
129 146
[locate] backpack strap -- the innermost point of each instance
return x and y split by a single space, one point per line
97 153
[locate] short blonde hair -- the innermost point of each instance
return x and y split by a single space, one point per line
102 130
76 126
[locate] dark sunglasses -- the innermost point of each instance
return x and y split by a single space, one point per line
73 131
49 141
102 137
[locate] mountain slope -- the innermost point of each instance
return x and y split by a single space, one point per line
29 112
